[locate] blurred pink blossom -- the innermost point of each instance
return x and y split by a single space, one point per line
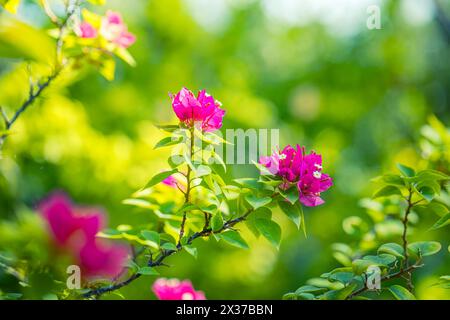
174 289
115 30
202 111
86 30
74 230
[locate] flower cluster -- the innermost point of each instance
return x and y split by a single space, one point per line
303 170
74 230
173 289
111 28
202 111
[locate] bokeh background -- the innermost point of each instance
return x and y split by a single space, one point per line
310 68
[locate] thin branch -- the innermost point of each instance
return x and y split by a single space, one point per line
164 254
398 274
405 240
34 93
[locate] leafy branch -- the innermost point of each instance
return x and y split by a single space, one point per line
36 89
205 232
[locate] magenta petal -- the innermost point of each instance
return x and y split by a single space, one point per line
311 200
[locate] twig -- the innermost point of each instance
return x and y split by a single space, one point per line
387 278
164 254
33 93
405 240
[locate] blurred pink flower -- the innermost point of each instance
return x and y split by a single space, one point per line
202 111
174 289
86 30
115 30
170 181
74 230
294 166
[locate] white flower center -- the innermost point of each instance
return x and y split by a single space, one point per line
317 174
282 156
318 166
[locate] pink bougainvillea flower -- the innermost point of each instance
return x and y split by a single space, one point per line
295 167
174 289
74 230
87 30
65 221
115 30
202 111
101 259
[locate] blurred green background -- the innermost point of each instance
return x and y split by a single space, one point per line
310 68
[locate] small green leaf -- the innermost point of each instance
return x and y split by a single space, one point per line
393 249
233 238
405 170
401 293
168 141
169 246
169 127
202 170
387 191
151 237
148 271
292 211
427 193
424 248
217 222
291 195
160 177
257 202
270 230
251 183
191 250
340 294
442 222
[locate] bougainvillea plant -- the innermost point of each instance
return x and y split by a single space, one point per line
81 38
381 250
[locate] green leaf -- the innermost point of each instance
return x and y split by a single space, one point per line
151 237
148 271
160 177
391 179
401 293
383 259
233 238
169 127
393 249
168 141
427 193
169 246
251 183
138 203
424 248
217 222
340 294
270 230
432 174
442 222
405 170
107 68
257 202
291 195
202 170
191 250
387 191
292 211
309 289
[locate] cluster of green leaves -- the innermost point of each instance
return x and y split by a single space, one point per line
400 201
